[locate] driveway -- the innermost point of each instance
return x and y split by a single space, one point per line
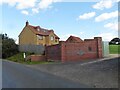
99 74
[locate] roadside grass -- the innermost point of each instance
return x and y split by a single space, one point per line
37 62
114 49
19 58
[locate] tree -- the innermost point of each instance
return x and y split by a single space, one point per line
9 47
115 41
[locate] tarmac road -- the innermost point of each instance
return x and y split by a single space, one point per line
102 73
15 75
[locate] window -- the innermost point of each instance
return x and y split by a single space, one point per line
51 38
40 37
38 29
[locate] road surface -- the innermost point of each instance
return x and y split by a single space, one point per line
17 75
94 73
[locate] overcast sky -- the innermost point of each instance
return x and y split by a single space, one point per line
66 17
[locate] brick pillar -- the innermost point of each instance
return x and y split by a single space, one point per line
99 46
63 55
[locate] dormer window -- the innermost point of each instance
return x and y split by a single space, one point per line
38 29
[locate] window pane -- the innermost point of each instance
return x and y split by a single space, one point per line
52 38
40 37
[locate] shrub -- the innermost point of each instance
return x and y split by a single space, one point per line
9 47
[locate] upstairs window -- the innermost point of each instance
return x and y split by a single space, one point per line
38 29
51 38
40 37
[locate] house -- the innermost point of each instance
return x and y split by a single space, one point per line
35 35
74 39
74 49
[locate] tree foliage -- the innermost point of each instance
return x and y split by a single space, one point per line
9 47
115 41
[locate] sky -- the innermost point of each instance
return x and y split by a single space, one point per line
82 18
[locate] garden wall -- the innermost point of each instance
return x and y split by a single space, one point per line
69 51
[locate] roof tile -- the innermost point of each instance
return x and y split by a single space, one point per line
41 31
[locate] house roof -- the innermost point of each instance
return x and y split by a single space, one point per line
42 31
74 39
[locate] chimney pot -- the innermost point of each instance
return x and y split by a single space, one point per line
27 23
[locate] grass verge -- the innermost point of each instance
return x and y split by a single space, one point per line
114 49
37 62
19 58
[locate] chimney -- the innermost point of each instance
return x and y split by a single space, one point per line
27 23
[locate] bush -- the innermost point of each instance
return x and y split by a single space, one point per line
115 41
9 47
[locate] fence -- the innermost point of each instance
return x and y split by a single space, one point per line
37 49
105 48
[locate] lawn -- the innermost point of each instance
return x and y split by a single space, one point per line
114 49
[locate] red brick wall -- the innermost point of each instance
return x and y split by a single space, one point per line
38 58
65 51
53 52
79 51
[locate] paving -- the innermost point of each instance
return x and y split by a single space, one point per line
100 73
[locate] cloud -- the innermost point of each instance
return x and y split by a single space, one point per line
20 4
34 5
24 4
87 15
44 4
106 16
106 36
112 26
103 4
35 10
25 12
9 2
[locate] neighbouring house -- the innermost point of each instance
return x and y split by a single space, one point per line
74 49
35 35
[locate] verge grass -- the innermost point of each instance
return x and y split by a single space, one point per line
19 58
114 49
